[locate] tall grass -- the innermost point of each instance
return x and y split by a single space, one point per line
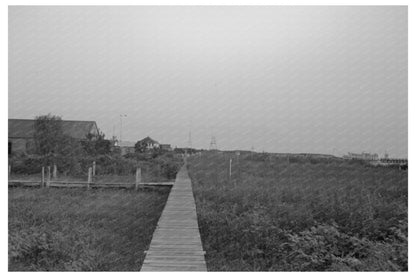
302 214
79 230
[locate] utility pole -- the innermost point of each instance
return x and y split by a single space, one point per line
190 134
121 125
190 139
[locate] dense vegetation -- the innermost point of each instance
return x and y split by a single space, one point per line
300 214
162 167
73 157
79 230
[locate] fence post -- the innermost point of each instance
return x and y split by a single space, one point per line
93 168
138 177
89 177
42 182
55 172
48 177
238 169
231 161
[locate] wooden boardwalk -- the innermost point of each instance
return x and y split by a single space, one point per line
176 243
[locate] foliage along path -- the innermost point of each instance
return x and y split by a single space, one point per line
176 243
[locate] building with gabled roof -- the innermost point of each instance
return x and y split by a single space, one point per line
22 132
150 143
126 147
165 147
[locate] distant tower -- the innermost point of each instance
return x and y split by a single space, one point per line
213 144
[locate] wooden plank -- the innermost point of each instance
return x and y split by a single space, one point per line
158 183
172 232
176 252
178 266
55 185
167 245
175 246
192 229
152 258
69 182
98 184
180 212
24 181
175 224
169 234
174 262
180 219
26 184
175 233
174 241
159 268
185 262
177 227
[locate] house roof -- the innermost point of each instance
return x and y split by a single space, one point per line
126 143
149 140
25 128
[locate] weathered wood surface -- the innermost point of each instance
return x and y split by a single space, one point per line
176 243
77 184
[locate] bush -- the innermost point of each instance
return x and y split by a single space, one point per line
163 167
29 164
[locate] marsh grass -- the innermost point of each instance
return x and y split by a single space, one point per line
80 230
300 214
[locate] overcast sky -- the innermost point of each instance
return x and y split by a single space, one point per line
279 79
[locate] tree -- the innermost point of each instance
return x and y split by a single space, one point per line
48 134
140 146
102 145
69 155
96 144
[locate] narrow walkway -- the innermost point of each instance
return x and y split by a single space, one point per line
176 243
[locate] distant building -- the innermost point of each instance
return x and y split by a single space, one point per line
165 147
150 143
126 147
22 132
187 150
393 161
363 156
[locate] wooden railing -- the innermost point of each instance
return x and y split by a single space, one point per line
90 183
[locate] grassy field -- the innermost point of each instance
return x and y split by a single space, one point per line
80 230
295 214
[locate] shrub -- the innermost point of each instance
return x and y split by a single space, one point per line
29 164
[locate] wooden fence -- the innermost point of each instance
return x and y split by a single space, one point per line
49 180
